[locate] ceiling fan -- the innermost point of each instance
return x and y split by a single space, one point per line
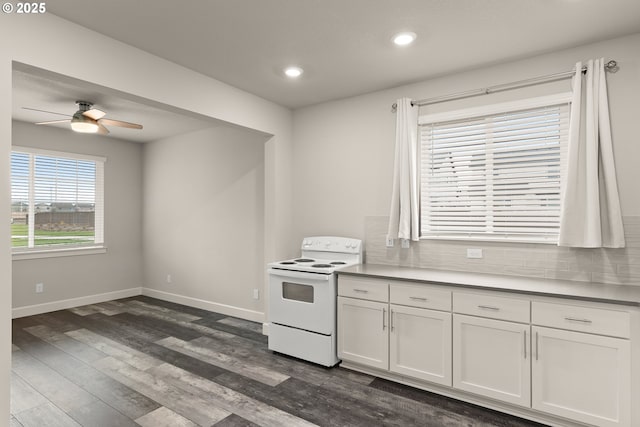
88 120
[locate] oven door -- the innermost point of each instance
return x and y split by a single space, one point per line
303 300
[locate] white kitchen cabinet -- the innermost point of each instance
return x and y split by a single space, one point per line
559 361
581 376
491 358
363 332
405 336
491 345
420 343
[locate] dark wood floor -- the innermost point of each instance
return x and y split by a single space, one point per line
143 361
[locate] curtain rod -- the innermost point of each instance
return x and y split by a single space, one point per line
611 66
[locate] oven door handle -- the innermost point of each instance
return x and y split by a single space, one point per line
299 275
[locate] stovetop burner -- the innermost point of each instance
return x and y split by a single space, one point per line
322 255
323 266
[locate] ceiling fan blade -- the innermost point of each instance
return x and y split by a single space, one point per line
102 130
44 111
54 122
120 123
94 113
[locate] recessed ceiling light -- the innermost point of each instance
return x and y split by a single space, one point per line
293 72
403 39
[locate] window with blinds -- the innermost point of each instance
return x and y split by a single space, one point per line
496 176
56 200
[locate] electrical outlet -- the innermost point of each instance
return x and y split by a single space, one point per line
168 278
389 242
474 253
405 243
256 294
39 288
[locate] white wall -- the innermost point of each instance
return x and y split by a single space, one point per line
343 153
77 276
204 219
5 230
44 41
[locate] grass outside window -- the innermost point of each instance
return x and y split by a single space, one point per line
19 236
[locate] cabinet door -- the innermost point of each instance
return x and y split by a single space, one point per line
363 335
492 358
581 376
420 343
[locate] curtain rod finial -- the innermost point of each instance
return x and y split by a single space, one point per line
612 66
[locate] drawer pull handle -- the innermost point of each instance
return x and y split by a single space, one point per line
361 291
418 299
489 307
575 319
536 346
391 320
525 345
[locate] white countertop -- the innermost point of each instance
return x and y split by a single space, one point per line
600 292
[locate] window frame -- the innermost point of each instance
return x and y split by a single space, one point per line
95 247
476 113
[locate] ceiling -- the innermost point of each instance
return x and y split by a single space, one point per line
55 93
344 45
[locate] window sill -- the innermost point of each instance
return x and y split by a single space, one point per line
494 239
55 253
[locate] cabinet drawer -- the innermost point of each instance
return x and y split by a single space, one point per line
494 307
420 296
601 321
369 289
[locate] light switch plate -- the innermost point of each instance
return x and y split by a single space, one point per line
405 243
389 243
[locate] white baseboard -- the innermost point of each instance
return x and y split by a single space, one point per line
47 307
229 310
265 328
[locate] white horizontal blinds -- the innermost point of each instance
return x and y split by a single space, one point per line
19 199
527 168
57 199
99 203
64 195
494 176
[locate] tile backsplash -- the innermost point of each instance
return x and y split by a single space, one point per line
617 266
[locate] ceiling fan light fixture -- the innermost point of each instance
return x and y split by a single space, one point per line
84 127
88 120
83 124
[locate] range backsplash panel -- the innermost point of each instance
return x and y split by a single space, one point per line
617 266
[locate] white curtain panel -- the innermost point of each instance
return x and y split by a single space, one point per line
403 218
590 215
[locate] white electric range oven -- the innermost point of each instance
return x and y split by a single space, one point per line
302 298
